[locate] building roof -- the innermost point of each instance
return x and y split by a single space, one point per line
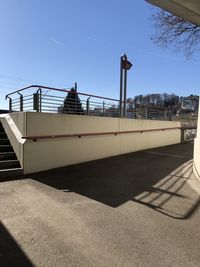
189 10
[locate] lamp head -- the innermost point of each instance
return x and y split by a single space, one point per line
126 64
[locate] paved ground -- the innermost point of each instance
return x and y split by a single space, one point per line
141 209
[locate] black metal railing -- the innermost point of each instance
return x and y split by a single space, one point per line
39 98
188 132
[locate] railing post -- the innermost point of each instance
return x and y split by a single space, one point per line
157 114
10 104
103 107
165 115
170 115
146 115
88 106
182 134
21 102
37 100
75 87
40 99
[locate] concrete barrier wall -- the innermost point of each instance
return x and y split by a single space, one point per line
45 154
51 153
196 165
197 149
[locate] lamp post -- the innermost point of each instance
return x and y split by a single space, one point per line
125 65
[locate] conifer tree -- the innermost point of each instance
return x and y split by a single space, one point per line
72 103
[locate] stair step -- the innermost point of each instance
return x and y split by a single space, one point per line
6 148
3 134
11 173
7 155
9 164
4 141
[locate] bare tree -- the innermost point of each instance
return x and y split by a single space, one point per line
173 31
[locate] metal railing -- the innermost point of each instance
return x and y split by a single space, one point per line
79 135
39 98
188 132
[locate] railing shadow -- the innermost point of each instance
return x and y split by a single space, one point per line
171 194
10 252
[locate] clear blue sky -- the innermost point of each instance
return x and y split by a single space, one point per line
58 42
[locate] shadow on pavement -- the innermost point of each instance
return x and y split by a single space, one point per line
10 252
153 178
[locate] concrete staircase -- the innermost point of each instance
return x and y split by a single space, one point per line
9 165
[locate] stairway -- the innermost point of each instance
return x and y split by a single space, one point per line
9 165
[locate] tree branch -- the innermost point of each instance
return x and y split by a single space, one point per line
176 32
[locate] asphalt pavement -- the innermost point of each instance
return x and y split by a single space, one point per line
138 209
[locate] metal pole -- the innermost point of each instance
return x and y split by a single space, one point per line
182 135
10 104
21 101
35 102
121 87
76 99
125 85
146 114
165 114
40 99
103 107
88 106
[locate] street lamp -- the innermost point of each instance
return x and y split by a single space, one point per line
125 65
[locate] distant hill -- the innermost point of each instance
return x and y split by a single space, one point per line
165 100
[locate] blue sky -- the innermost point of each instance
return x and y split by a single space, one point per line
59 42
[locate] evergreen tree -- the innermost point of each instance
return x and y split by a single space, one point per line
72 103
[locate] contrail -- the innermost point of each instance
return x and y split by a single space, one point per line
56 42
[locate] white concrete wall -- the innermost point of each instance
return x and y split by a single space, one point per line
197 149
52 153
45 154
